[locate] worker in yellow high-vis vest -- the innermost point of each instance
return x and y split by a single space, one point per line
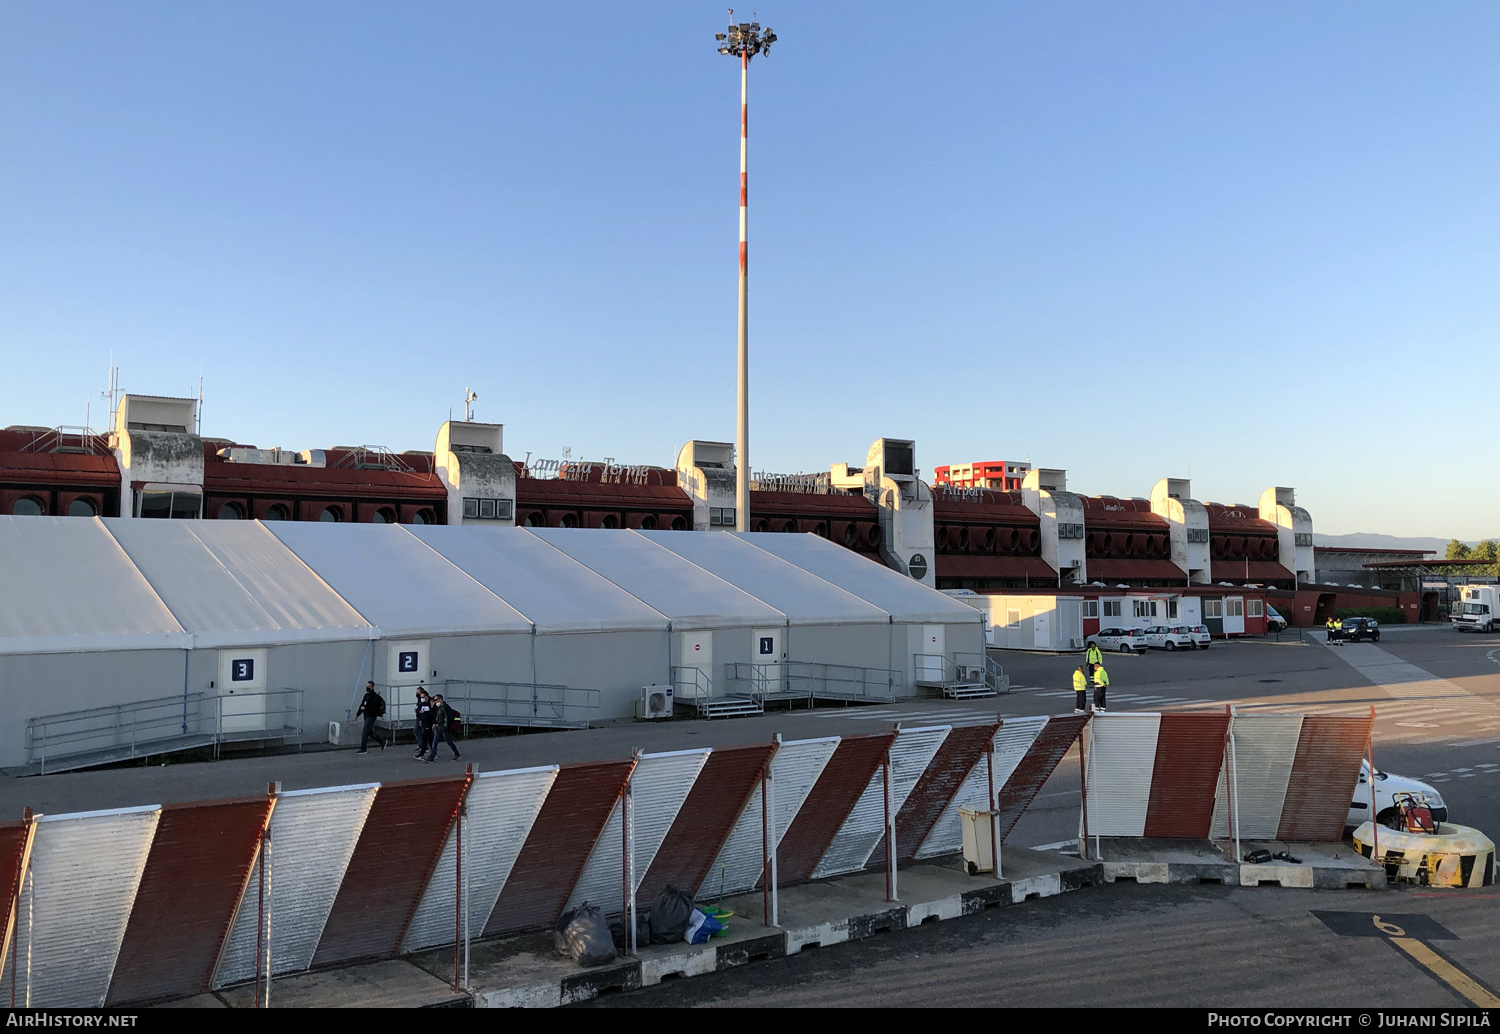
1080 690
1101 683
1092 655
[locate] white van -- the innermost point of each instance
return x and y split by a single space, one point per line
1478 610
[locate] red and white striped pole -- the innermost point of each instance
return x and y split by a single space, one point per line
742 422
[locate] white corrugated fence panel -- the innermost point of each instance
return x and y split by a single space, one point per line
795 769
1263 748
501 809
313 834
658 786
1122 759
75 904
911 752
1012 740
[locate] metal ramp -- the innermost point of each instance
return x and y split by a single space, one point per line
519 705
96 736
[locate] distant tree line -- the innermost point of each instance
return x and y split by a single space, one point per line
1488 550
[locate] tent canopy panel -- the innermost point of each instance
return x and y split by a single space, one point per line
69 587
689 596
395 581
554 591
905 599
802 597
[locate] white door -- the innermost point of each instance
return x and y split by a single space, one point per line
930 656
1041 624
697 651
1234 614
766 647
407 662
242 690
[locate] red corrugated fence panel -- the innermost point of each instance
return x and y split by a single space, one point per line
558 846
389 870
828 804
961 751
1189 754
12 845
1325 773
195 873
1012 799
706 819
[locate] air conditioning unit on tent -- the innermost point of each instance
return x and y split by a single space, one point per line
656 702
969 674
1076 644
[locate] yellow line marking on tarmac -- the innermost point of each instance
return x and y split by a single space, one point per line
1447 972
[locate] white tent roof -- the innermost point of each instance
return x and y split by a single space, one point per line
66 586
554 591
233 583
905 599
802 597
688 595
395 581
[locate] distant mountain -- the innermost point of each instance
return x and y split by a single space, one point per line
1362 540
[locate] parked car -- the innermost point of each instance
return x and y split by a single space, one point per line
1387 785
1125 640
1274 621
1355 630
1164 637
1200 635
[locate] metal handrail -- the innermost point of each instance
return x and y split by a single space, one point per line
844 680
950 671
691 683
994 675
489 702
291 718
70 733
766 680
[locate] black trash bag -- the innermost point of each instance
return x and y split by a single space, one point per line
670 916
642 933
583 935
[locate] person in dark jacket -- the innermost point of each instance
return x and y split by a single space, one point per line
442 722
371 707
423 724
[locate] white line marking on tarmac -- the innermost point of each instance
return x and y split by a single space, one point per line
1054 847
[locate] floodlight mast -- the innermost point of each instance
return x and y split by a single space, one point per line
744 40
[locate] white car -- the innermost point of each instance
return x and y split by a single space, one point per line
1126 640
1200 636
1163 637
1387 785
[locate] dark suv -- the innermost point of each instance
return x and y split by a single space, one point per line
1353 630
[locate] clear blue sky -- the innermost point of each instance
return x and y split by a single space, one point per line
1259 238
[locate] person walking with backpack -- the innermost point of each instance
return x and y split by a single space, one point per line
371 707
443 717
1101 684
423 724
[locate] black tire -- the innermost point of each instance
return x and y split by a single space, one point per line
1388 816
1125 648
1375 638
1171 646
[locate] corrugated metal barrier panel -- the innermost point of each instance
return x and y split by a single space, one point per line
313 833
1035 767
1324 776
1189 754
716 802
1121 752
559 844
659 785
501 806
383 883
75 904
12 848
795 769
839 787
1263 748
194 876
910 755
1012 741
963 749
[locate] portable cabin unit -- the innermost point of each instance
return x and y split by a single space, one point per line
1026 622
926 621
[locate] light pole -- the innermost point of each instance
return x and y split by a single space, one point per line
744 41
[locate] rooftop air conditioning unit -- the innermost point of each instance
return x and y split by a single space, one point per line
656 702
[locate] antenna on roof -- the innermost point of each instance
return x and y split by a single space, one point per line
470 397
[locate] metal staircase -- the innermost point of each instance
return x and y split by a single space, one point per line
692 688
961 677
